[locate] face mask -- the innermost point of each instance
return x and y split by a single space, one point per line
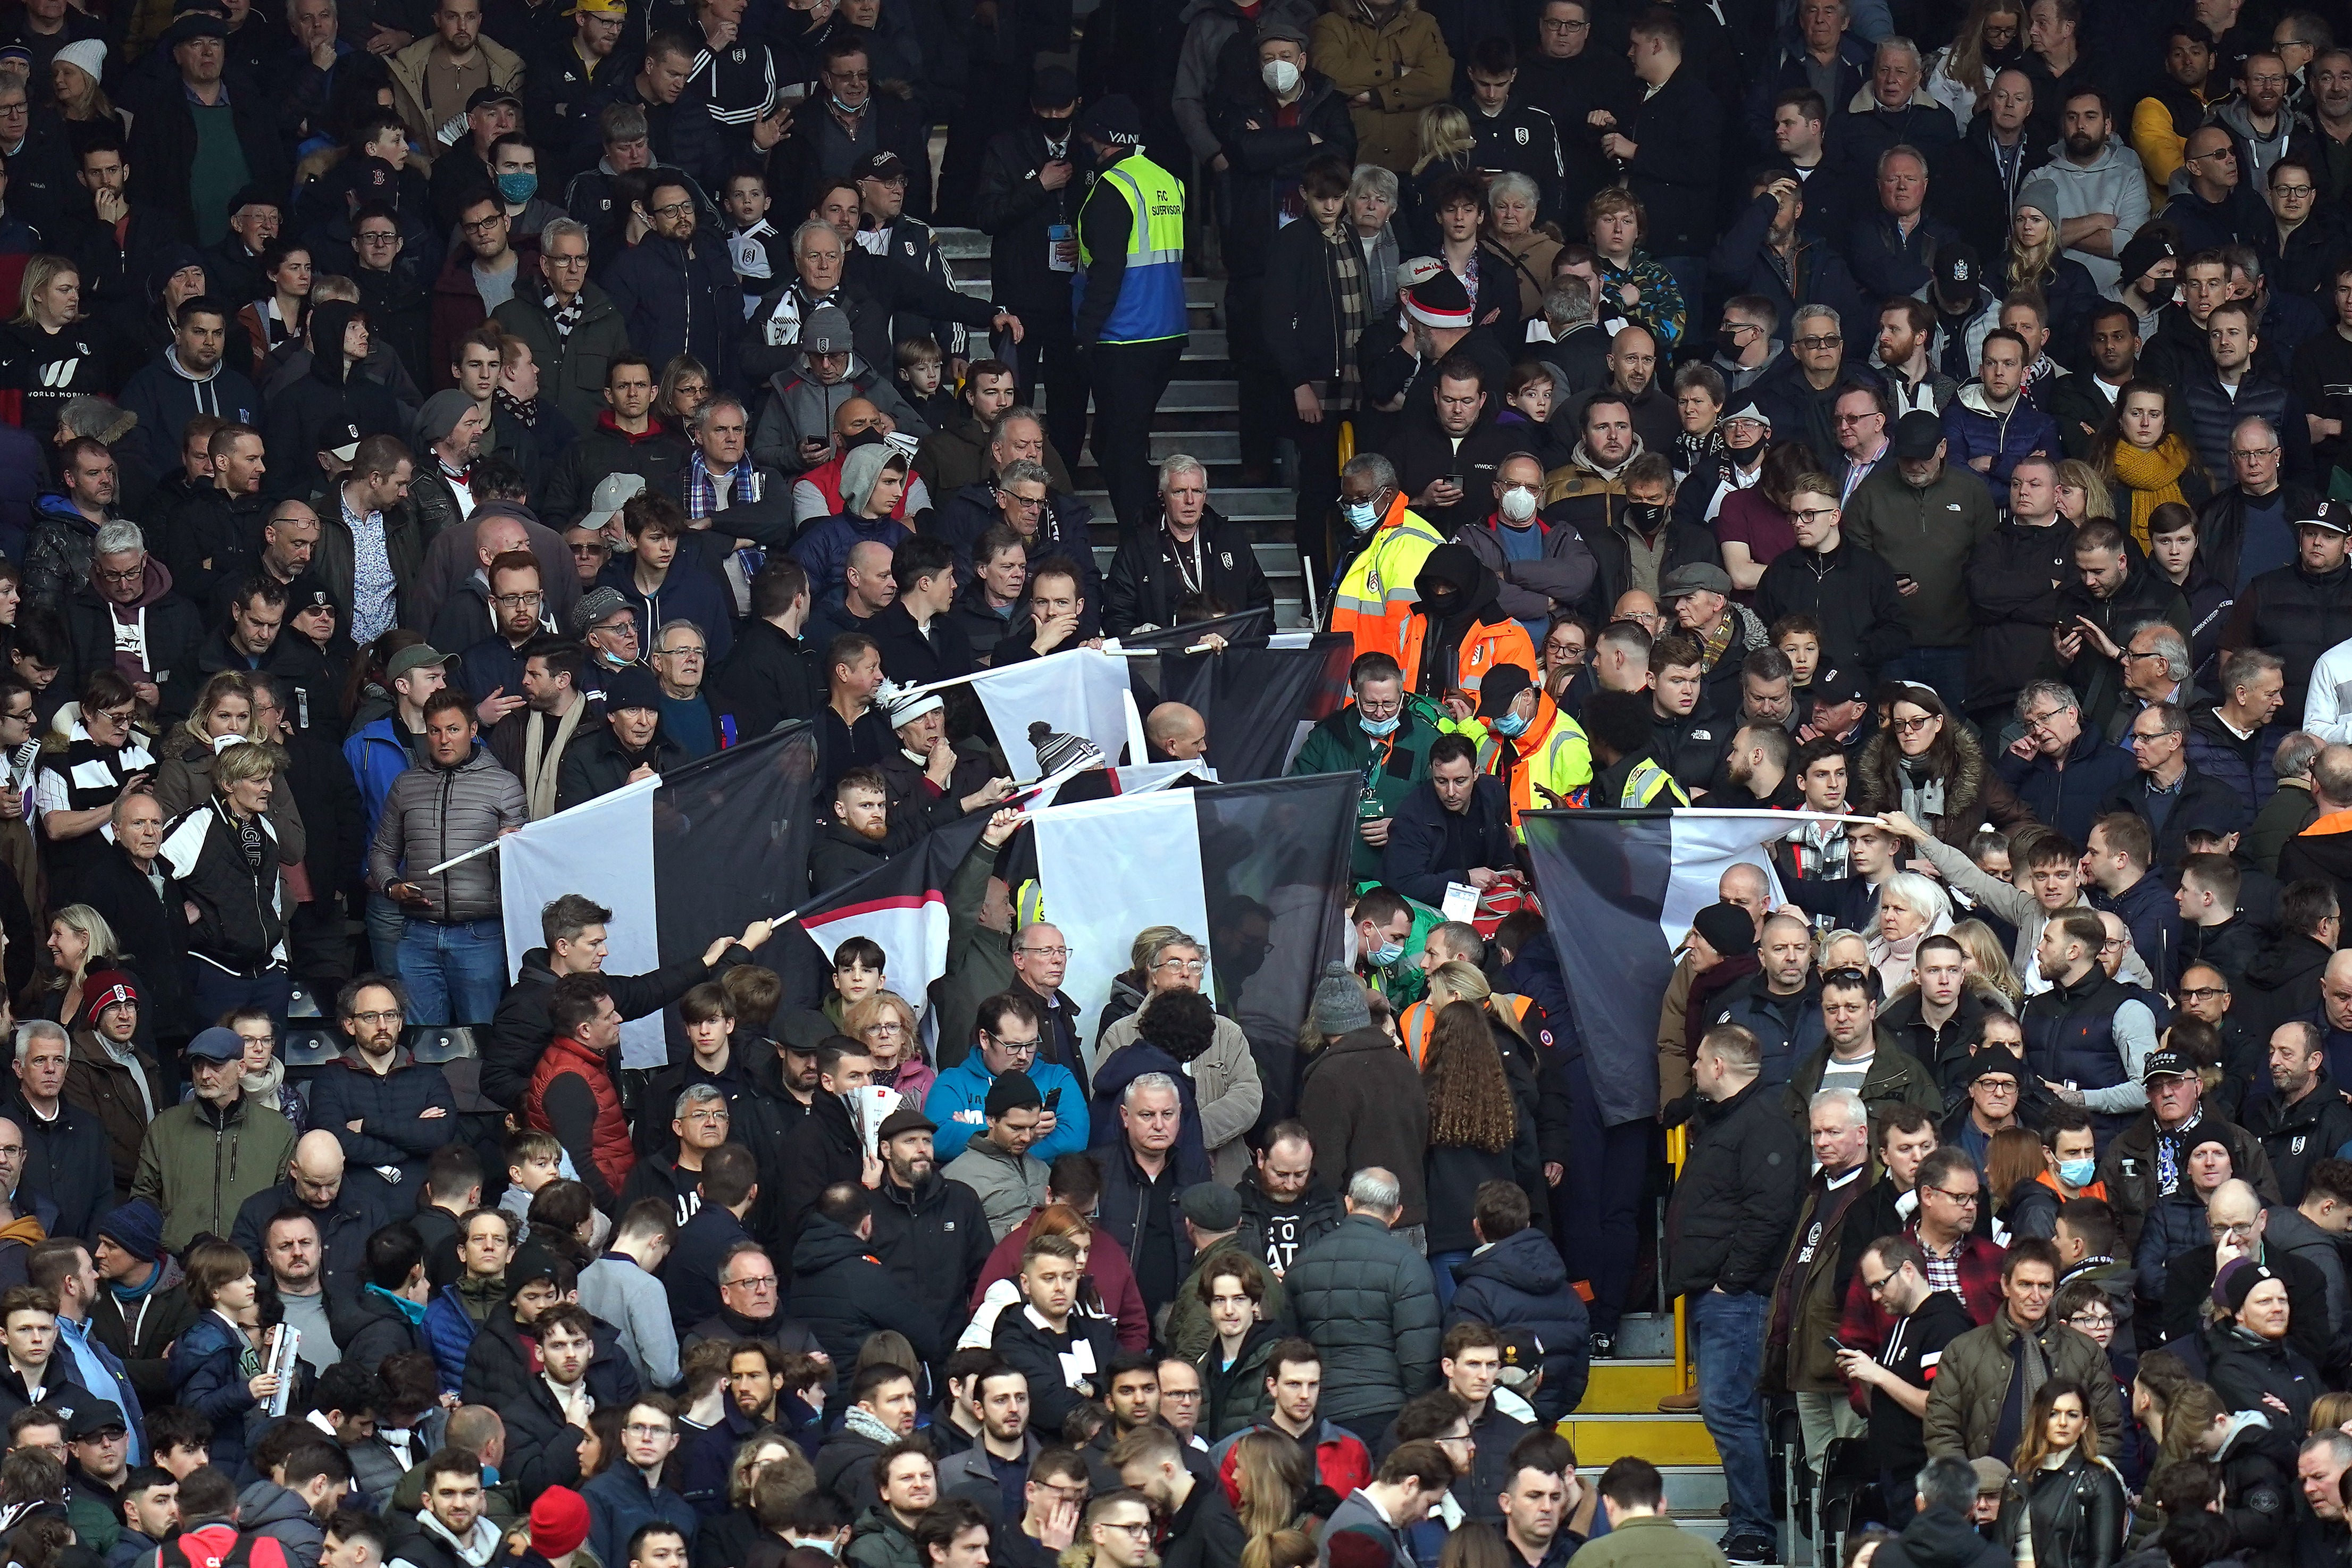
841 107
2077 1172
1387 953
1518 504
518 187
1379 727
1510 724
1439 605
1279 74
1361 515
1646 516
1052 127
2158 290
1727 340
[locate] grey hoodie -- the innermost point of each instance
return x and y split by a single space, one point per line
265 1507
2113 182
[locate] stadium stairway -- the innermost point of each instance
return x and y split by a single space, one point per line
1200 416
1620 1417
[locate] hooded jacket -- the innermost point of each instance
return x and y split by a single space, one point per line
1521 1282
844 1293
1459 630
173 627
165 395
325 398
799 406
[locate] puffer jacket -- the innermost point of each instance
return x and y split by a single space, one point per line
2295 614
1521 1282
1365 1297
1738 1194
2249 1371
200 1164
1402 61
208 1378
1964 1403
2244 767
1225 1080
390 1108
1973 430
1973 795
432 814
842 1292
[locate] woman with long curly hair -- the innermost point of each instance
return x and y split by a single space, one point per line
1927 765
1985 967
1477 1132
2145 458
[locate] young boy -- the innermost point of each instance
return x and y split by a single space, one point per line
1800 638
533 1159
761 255
919 362
181 1441
860 969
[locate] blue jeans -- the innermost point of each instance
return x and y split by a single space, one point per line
1441 1266
453 972
1729 1343
213 991
1945 669
386 925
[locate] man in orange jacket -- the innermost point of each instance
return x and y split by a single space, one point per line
1459 631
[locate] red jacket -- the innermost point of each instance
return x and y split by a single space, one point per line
209 1546
608 1141
1341 1461
1106 1266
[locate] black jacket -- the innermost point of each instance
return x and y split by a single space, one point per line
2249 1373
2296 615
1600 519
844 1293
150 929
162 153
68 1161
1851 593
239 927
1148 580
1017 213
175 628
769 678
2010 576
828 1149
1057 1386
1678 140
1266 160
1299 319
343 1226
1737 1196
1942 1539
601 765
935 1239
910 657
1416 863
368 1327
521 1030
2201 800
2293 1136
839 857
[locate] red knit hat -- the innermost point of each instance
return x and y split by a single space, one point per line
559 1523
102 990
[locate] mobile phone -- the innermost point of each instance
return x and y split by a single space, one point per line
1455 480
1830 1340
1053 1098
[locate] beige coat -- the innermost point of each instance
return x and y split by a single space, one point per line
407 69
1225 1082
1402 63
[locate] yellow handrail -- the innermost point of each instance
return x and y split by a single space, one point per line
1677 1150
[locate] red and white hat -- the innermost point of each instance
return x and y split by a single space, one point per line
1439 300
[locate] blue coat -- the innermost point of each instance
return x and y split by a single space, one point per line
1519 1283
164 400
450 1332
674 304
1123 1067
620 1504
960 1092
1971 430
207 1379
377 757
688 593
2069 801
824 550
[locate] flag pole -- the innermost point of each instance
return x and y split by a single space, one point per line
470 854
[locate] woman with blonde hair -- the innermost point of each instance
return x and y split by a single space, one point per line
91 117
1478 1132
887 1027
79 942
1910 906
1280 1548
1986 966
684 388
2145 459
46 356
1272 1473
222 715
2040 276
2082 494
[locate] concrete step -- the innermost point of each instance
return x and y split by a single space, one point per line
1623 1387
1661 1439
1694 1489
1217 448
1239 506
1207 396
1646 1334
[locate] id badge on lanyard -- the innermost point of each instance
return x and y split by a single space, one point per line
1061 248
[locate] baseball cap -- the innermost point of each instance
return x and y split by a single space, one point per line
484 96
2328 515
1418 269
1840 686
1917 436
613 492
2167 1063
885 165
96 1417
598 8
344 439
1960 272
415 656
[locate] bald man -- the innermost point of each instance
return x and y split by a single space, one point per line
348 1207
455 554
467 616
867 590
1176 734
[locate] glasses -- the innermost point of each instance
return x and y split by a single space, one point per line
647 1428
1817 344
2041 720
518 601
378 236
376 1019
2202 993
1026 503
1912 726
1856 418
756 1283
1965 1199
1552 25
1846 975
1379 708
1141 1530
1814 514
1018 1047
2115 943
679 653
2284 191
2146 738
1875 1286
1193 967
672 210
1182 1396
116 717
130 576
2088 1322
1998 1085
892 1027
1047 952
484 226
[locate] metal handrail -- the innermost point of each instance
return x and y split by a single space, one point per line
1678 1150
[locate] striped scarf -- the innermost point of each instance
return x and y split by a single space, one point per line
702 487
1352 298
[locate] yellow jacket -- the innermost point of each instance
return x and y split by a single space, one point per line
1374 601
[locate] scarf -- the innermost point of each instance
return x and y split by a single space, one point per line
543 758
864 1423
123 1293
1582 458
523 414
1923 791
702 487
1351 303
263 1087
565 316
2153 478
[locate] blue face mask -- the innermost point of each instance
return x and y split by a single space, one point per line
518 187
1510 724
2077 1172
1387 953
1361 515
1377 727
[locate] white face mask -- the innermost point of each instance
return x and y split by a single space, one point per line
1279 74
1519 503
